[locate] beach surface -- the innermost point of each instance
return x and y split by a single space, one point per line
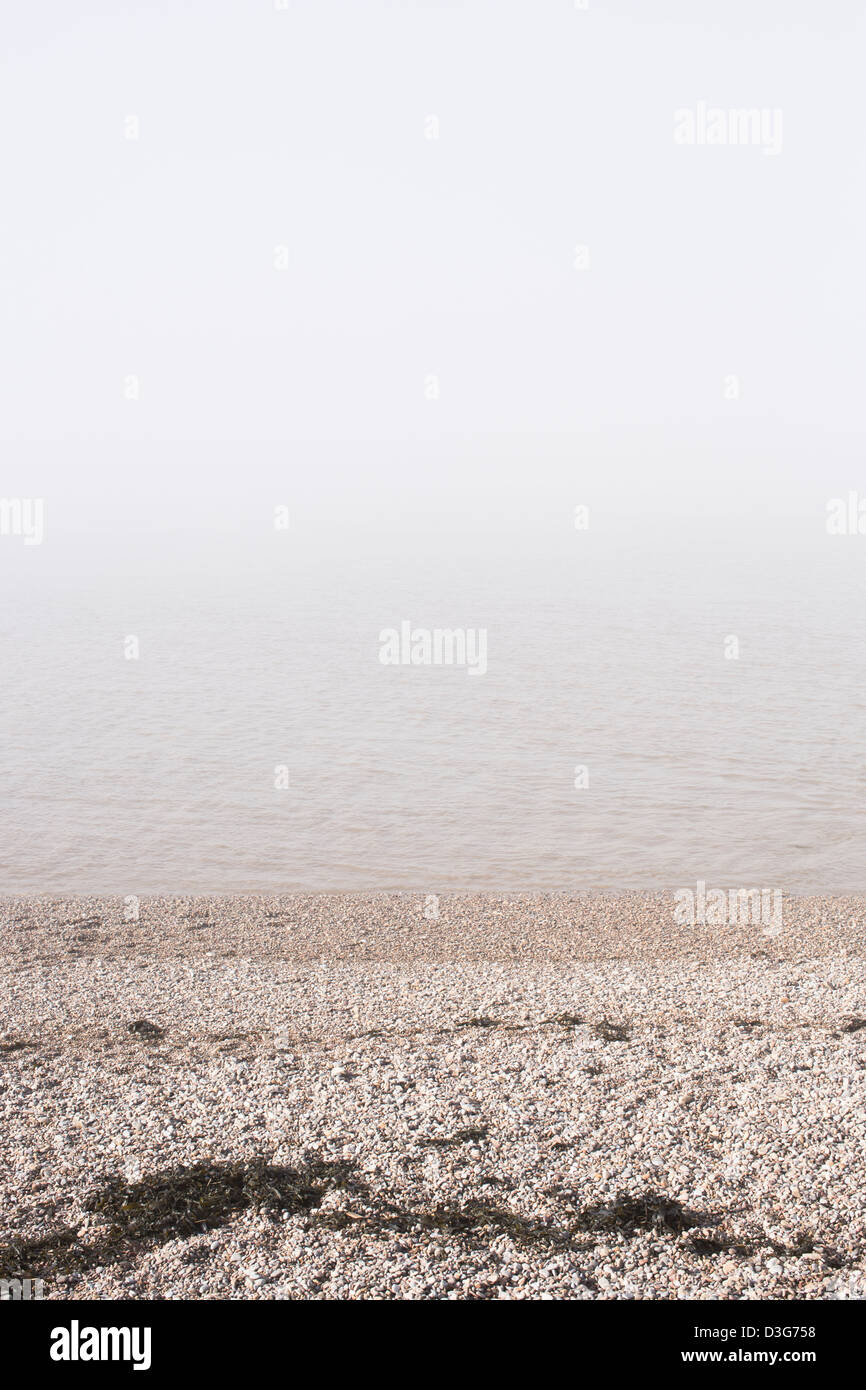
404 1096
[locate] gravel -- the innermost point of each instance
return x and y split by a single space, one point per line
528 1096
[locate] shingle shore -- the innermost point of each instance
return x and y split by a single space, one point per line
339 1097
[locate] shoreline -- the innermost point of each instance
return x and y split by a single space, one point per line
524 1096
423 926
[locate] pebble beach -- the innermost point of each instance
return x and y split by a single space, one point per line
404 1097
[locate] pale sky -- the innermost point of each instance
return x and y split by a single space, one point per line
408 257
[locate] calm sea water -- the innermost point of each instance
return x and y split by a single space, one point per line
158 773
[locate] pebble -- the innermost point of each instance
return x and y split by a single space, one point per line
495 1121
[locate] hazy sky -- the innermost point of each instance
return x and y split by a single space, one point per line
406 257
